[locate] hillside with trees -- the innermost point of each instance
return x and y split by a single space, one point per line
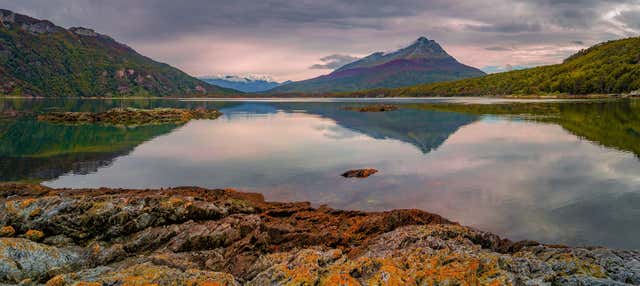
607 68
38 58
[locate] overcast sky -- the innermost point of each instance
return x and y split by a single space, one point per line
298 39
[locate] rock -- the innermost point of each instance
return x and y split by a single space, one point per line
145 274
22 259
7 231
359 173
198 236
130 116
373 108
34 235
7 17
83 32
58 240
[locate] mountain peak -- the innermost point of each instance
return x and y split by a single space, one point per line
422 61
422 39
423 48
420 49
244 83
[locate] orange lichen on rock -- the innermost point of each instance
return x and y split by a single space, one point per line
150 274
34 235
26 202
7 231
35 212
56 281
343 279
195 236
88 284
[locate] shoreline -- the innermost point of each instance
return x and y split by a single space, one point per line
287 97
194 235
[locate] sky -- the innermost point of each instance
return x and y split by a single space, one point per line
300 39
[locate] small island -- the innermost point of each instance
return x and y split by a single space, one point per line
359 173
372 108
130 116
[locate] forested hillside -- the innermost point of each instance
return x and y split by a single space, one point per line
607 68
38 58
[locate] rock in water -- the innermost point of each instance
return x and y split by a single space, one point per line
373 108
130 116
359 173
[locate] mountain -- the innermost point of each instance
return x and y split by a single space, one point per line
248 83
608 68
421 62
426 130
38 58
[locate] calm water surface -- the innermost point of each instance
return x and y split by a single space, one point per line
548 171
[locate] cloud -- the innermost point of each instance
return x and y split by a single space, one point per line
201 34
334 61
630 18
580 43
498 49
507 27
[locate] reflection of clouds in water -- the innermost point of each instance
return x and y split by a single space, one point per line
337 132
519 194
249 108
516 178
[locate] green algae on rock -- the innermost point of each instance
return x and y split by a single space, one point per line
130 116
195 236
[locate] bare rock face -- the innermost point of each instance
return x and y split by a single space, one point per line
7 17
359 173
36 26
194 236
84 32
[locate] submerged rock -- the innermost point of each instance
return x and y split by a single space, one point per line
195 236
373 108
130 116
359 173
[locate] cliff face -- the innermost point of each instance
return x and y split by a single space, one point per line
193 236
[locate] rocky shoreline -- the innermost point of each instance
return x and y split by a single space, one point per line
195 236
130 116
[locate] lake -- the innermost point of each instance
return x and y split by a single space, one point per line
551 171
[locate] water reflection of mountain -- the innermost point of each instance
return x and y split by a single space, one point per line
613 124
426 130
32 150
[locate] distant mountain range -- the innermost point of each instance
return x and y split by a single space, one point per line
38 58
607 68
423 61
245 83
